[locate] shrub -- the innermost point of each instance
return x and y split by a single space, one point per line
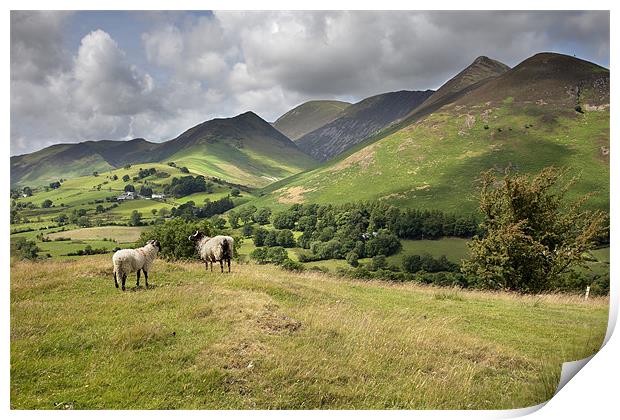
24 249
291 265
173 236
275 255
46 204
352 259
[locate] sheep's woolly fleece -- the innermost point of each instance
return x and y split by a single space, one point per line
131 260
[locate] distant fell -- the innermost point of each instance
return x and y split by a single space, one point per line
308 117
359 121
244 149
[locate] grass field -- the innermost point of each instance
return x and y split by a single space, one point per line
118 233
264 338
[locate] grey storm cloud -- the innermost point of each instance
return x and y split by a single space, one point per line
202 67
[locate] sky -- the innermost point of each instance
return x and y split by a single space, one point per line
118 75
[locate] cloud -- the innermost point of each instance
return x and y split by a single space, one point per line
201 66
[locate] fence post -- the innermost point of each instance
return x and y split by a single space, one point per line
587 292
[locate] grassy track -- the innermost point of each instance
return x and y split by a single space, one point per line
264 338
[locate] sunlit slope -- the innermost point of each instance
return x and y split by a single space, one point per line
434 162
308 117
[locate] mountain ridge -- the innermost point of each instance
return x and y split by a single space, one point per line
359 121
243 137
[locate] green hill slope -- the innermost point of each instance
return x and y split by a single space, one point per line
525 118
244 150
308 117
360 121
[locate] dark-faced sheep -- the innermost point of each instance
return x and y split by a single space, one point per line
219 248
127 261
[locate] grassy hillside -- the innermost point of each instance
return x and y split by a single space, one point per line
244 150
433 162
308 117
87 192
264 338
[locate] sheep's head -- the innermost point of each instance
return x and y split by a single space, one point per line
155 243
196 236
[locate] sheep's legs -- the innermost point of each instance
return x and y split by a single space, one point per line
138 279
211 265
206 265
222 265
146 278
228 264
124 278
115 282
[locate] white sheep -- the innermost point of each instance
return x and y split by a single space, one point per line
219 248
127 261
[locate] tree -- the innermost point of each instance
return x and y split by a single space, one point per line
99 209
262 216
184 170
532 235
54 185
46 204
146 191
27 191
114 177
135 219
247 214
83 221
247 230
218 222
209 187
235 192
125 178
233 219
95 173
153 212
283 220
130 188
24 249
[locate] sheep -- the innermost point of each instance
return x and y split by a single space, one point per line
127 261
219 248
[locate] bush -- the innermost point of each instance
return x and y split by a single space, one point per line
275 255
291 265
46 204
24 249
173 236
352 259
379 262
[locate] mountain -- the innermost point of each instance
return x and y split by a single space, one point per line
551 109
76 159
480 71
308 117
359 121
244 149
